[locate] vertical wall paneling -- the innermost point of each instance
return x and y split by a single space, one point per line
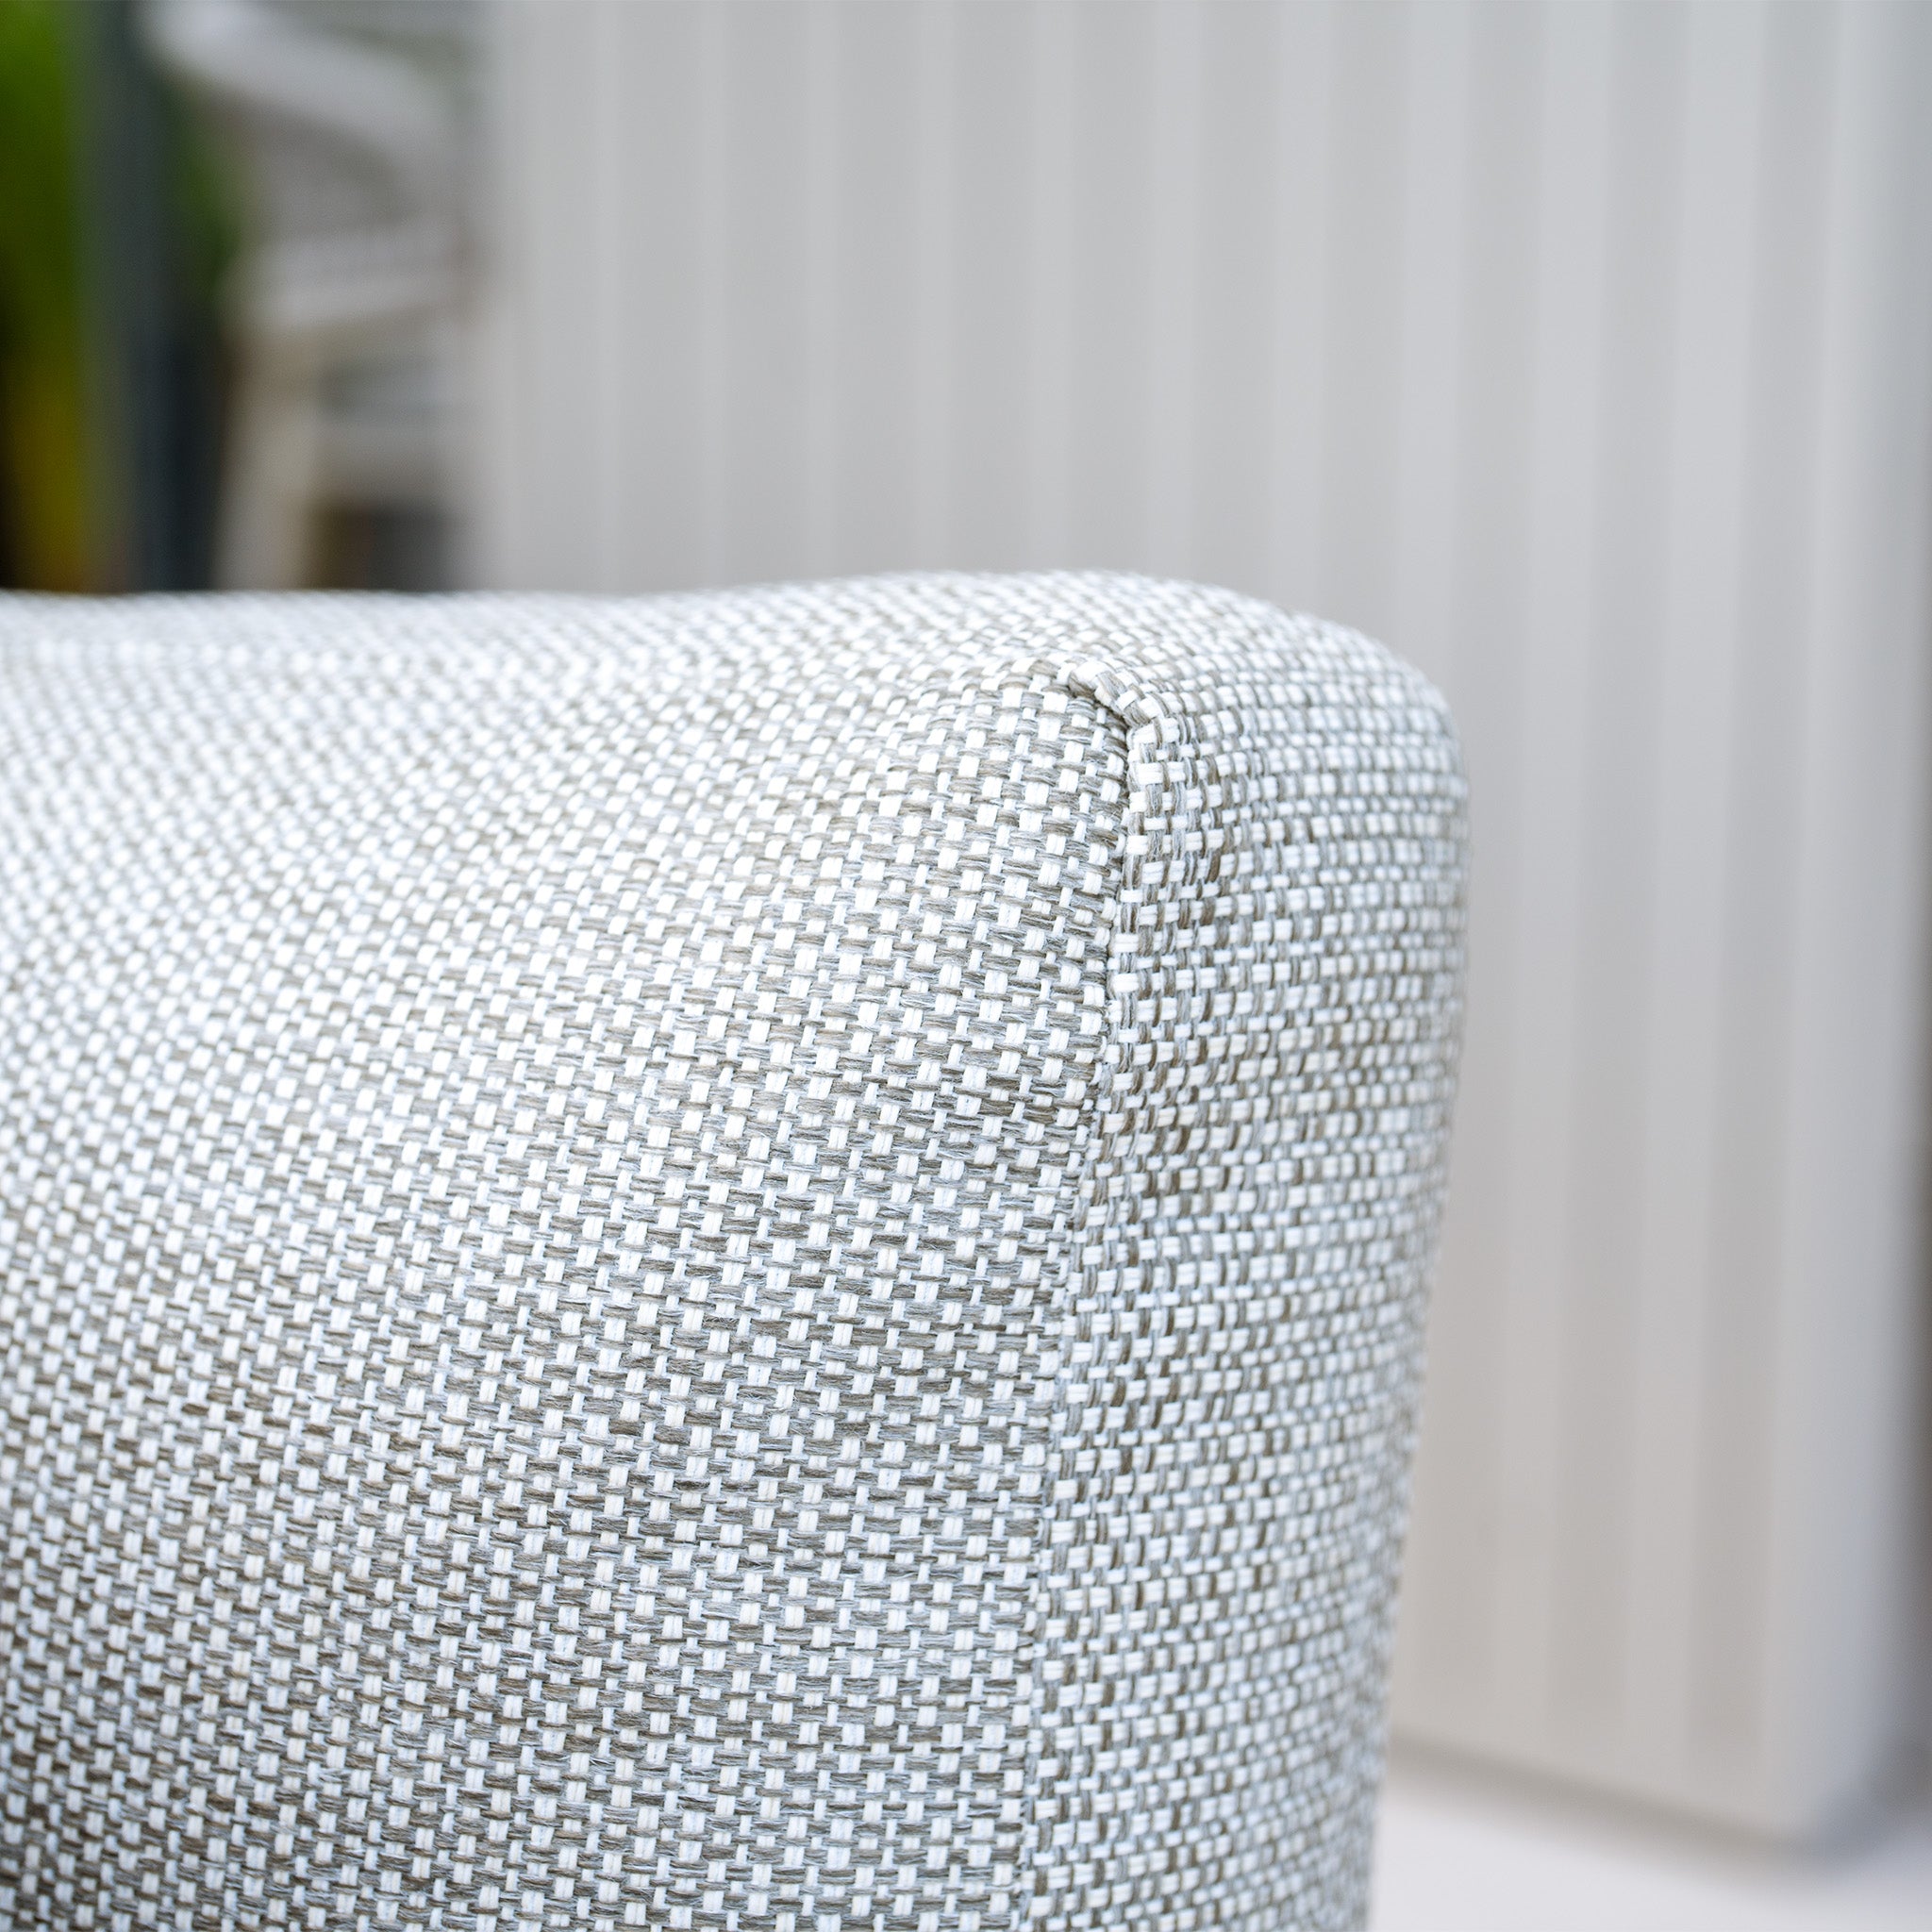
1302 200
1722 212
1597 1365
1239 130
869 408
1582 351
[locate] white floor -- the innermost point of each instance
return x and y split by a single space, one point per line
1460 1855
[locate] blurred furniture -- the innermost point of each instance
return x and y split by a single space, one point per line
1583 352
348 314
751 1260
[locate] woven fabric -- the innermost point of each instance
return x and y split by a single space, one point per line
749 1260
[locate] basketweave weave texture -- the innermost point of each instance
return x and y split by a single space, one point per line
747 1260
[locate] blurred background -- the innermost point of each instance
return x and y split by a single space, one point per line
1583 352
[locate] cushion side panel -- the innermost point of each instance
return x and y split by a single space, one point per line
1242 1340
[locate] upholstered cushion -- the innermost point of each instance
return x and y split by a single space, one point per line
739 1261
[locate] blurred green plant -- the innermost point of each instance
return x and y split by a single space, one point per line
47 492
118 230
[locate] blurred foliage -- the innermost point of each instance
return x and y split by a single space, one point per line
45 493
118 230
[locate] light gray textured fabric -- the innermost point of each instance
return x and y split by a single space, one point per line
741 1260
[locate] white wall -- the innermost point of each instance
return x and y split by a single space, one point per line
1582 353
